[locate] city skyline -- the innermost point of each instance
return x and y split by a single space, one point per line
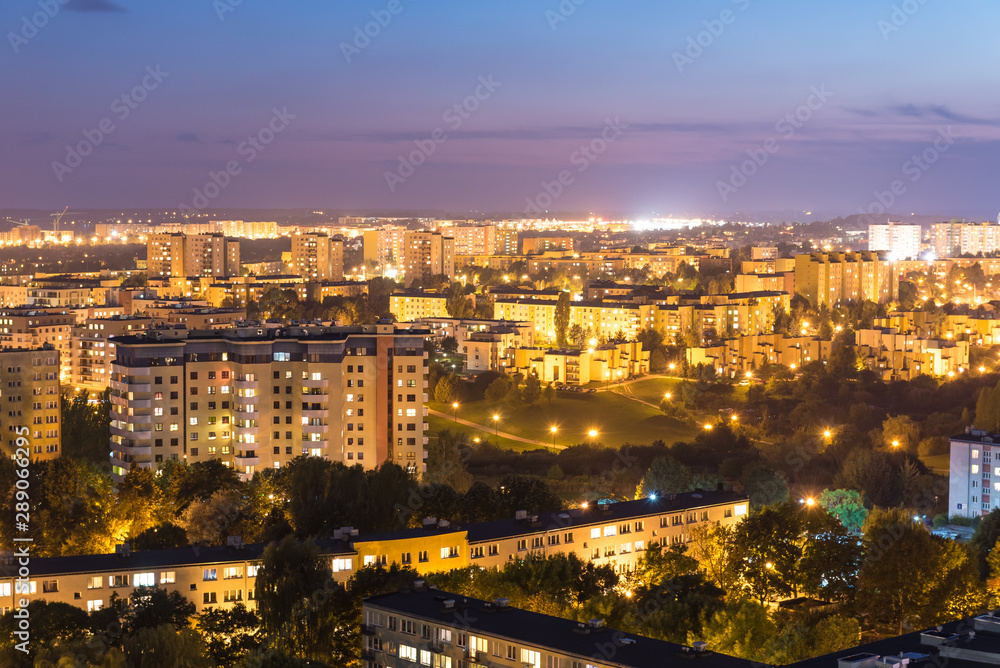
673 101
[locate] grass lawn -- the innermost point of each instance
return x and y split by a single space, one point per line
937 462
653 389
617 420
436 424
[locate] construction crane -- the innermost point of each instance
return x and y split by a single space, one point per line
22 223
58 217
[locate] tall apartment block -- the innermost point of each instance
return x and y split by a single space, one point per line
901 242
428 254
956 238
180 255
34 328
317 257
93 348
29 397
473 240
836 278
256 397
385 246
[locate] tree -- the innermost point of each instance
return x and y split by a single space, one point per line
549 393
211 522
988 409
561 318
902 430
830 562
447 389
900 567
231 635
498 390
766 549
712 546
293 614
200 481
742 629
666 475
764 486
446 457
166 646
86 428
532 391
657 565
577 336
140 501
846 506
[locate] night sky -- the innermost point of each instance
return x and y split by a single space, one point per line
883 89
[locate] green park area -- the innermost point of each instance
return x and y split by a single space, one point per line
616 419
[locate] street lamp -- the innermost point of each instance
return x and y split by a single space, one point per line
593 435
553 429
895 443
708 427
455 406
667 395
496 424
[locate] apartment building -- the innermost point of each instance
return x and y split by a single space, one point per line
29 398
766 282
614 534
183 255
611 362
317 257
385 247
535 244
473 240
901 242
429 627
735 356
93 348
834 278
974 473
247 229
27 327
427 254
602 320
956 238
904 356
256 397
414 305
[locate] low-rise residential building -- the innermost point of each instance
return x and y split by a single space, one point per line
736 356
413 305
612 534
604 363
428 627
897 356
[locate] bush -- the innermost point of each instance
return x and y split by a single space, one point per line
936 445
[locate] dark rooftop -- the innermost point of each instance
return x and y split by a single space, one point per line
607 646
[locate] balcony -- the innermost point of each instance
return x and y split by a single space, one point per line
315 383
315 428
140 419
245 431
247 461
313 413
245 384
425 409
308 445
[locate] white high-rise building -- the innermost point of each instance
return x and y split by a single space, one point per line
902 242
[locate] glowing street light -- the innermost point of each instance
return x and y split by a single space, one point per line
667 395
895 443
749 374
553 429
734 417
708 427
455 406
496 424
593 435
827 433
810 502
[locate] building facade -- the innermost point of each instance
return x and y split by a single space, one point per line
317 257
29 400
427 254
256 397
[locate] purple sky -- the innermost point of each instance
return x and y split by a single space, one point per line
892 83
